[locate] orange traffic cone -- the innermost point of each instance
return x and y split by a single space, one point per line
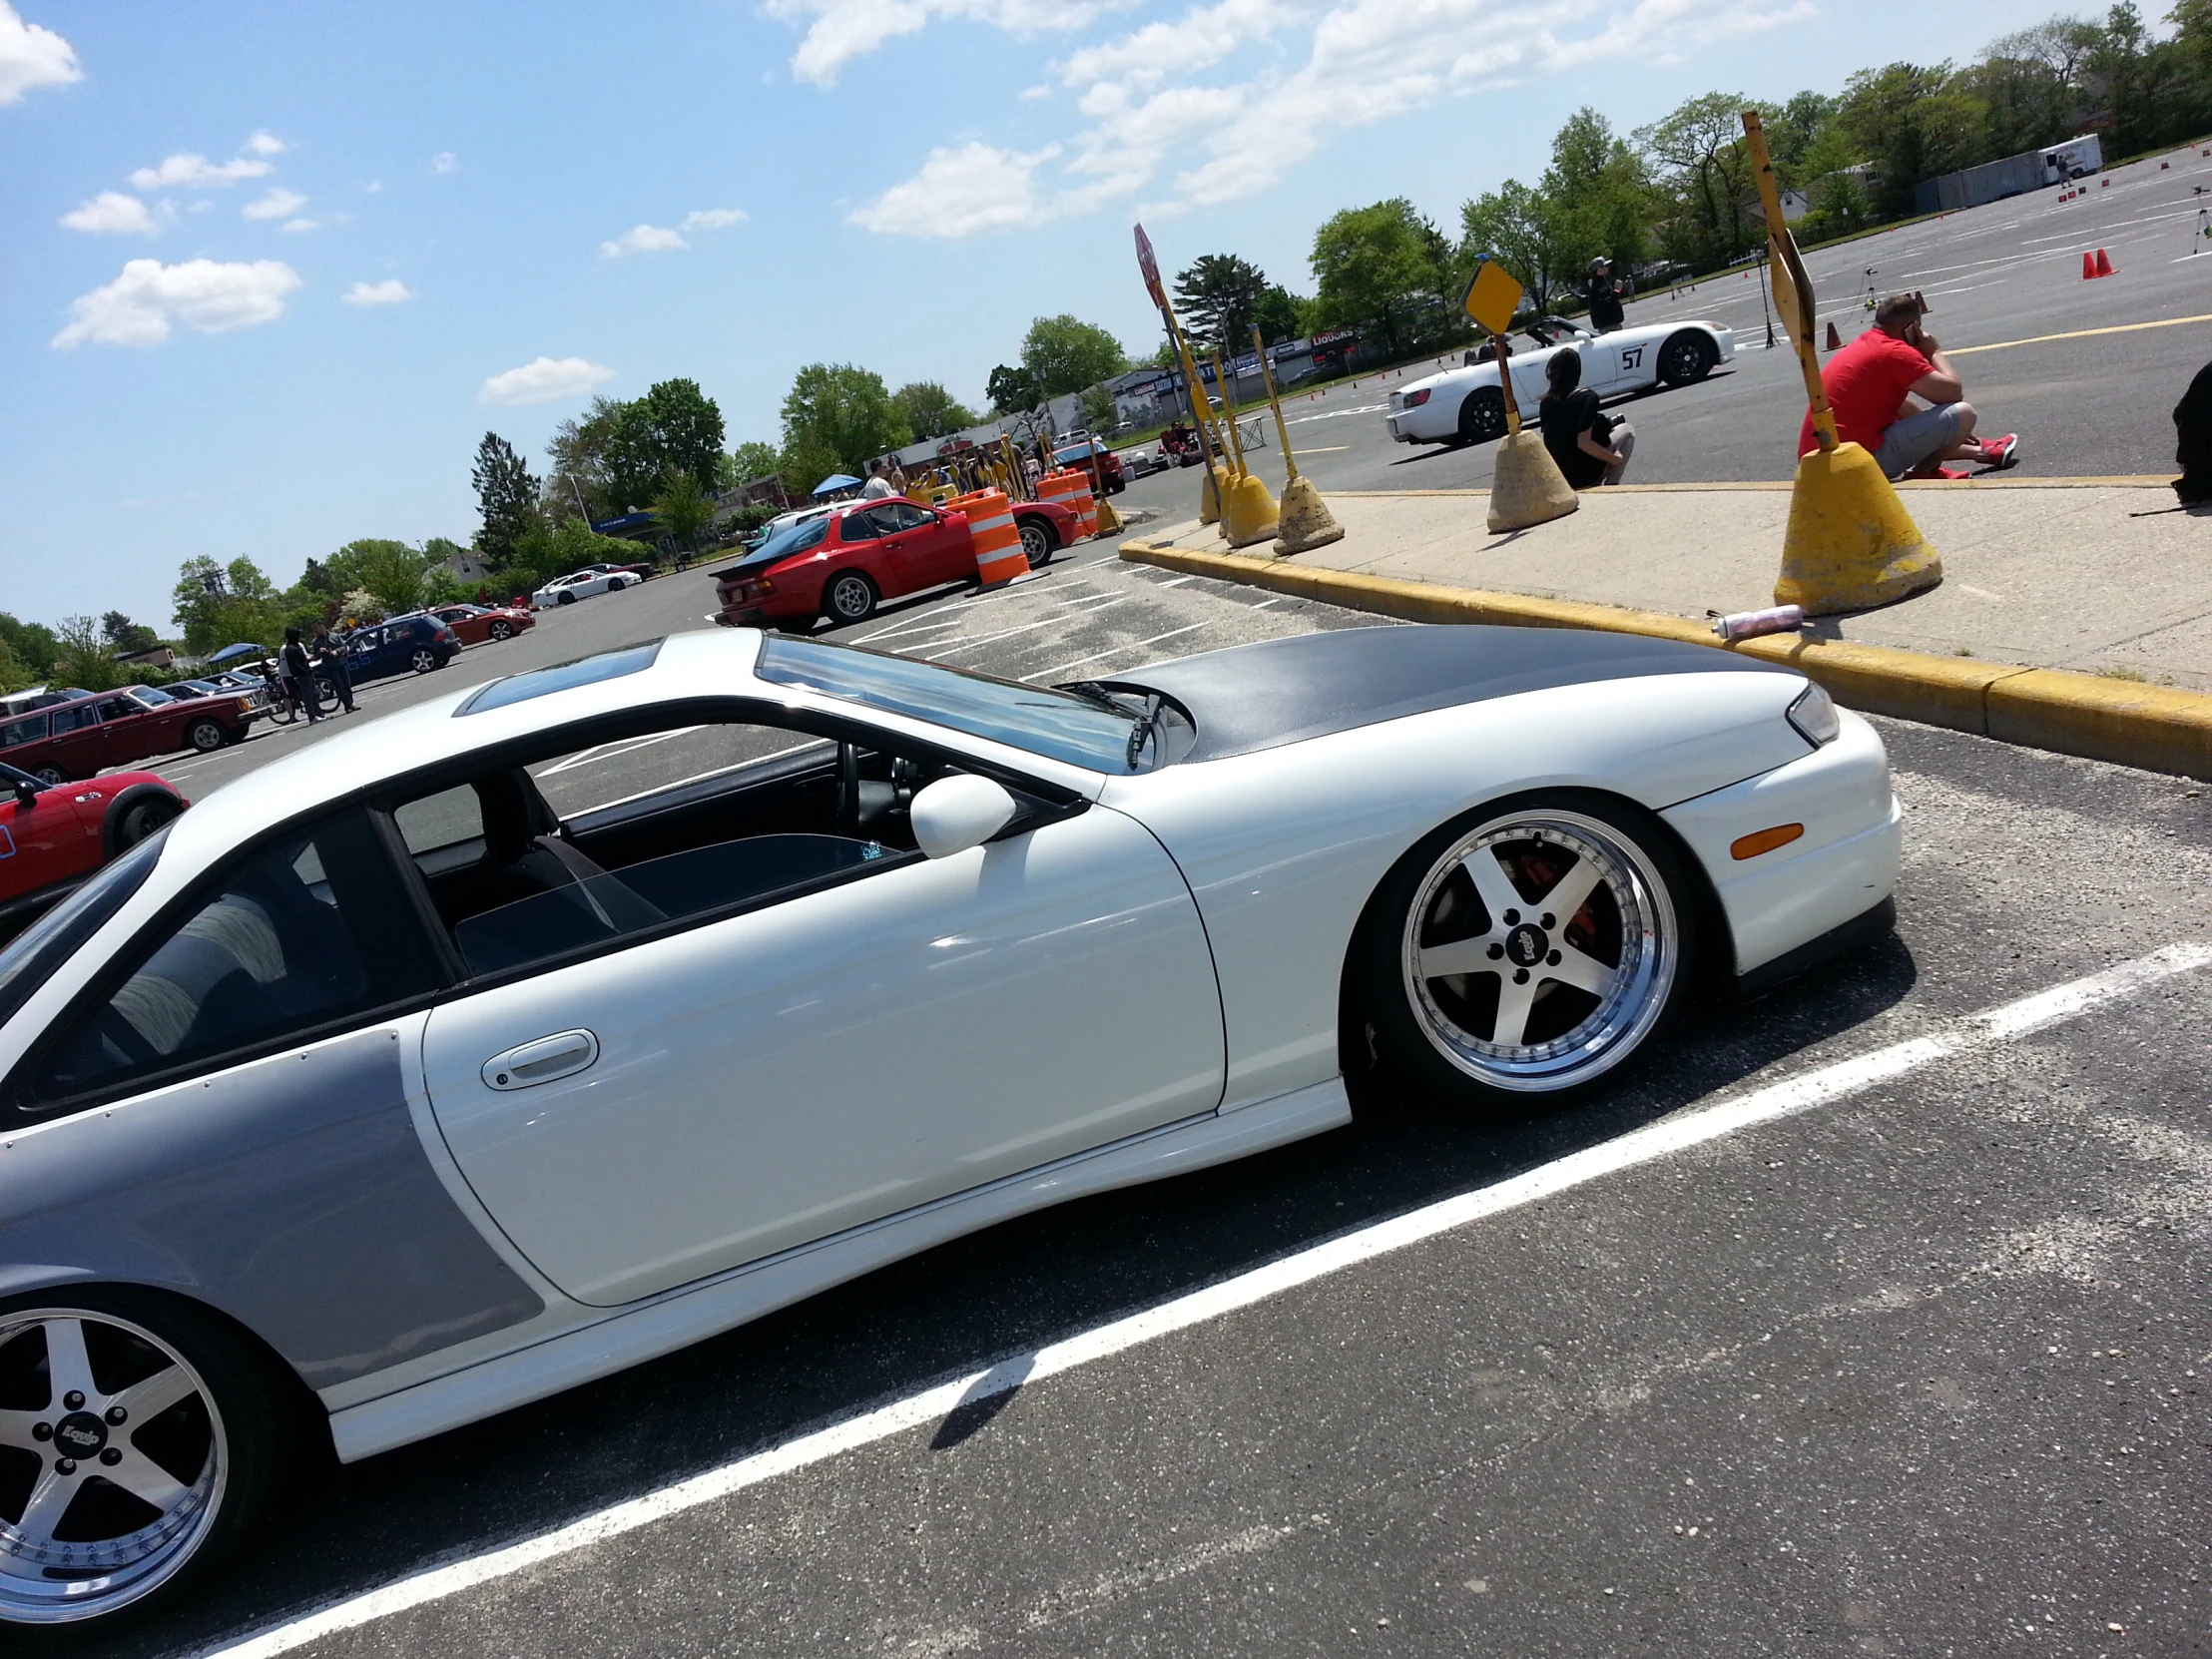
1835 340
2105 265
2089 267
2105 184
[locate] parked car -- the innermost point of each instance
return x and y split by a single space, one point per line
1142 461
1464 404
380 1096
402 645
842 562
582 584
1078 455
39 696
640 571
477 624
54 836
88 734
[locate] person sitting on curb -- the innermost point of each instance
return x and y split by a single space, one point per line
1870 385
1591 448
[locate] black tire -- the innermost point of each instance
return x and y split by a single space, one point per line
141 818
1482 415
1687 359
848 596
1037 541
422 659
204 735
500 631
324 692
223 1443
1636 906
565 598
50 774
282 709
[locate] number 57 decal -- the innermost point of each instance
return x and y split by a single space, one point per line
1632 356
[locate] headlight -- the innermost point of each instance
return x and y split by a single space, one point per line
1813 714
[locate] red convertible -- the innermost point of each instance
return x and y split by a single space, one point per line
477 622
52 838
844 562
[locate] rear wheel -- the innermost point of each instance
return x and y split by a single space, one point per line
206 736
422 660
1687 359
50 774
1531 948
566 598
139 1441
1482 415
850 597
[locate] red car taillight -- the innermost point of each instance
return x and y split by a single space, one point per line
1414 400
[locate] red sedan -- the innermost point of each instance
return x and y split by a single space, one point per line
87 734
478 623
842 564
52 838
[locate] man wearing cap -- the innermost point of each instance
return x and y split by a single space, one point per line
1604 297
1871 385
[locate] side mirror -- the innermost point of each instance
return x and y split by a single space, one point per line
955 814
26 793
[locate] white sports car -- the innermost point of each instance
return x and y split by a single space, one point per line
566 590
1464 404
408 1079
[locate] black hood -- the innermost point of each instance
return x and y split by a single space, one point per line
1254 697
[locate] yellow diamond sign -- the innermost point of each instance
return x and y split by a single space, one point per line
1493 298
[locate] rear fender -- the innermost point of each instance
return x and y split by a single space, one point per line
111 822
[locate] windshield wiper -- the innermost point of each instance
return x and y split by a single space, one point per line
1091 692
1146 729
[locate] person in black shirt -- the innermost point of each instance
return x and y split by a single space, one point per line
1604 297
1591 448
294 660
336 669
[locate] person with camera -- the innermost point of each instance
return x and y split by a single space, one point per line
1871 384
1603 296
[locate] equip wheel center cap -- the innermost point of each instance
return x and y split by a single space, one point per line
80 1435
1527 945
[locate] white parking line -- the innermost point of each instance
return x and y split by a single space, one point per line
1115 650
2007 1024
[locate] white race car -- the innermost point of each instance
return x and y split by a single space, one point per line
1464 404
380 1093
566 590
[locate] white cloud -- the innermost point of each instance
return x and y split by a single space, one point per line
641 239
187 170
264 143
390 291
957 192
296 226
32 57
543 379
138 308
838 31
444 161
114 213
713 218
376 186
275 205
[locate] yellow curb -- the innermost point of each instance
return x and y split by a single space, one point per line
2118 480
2157 728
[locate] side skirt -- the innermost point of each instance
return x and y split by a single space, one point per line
680 1317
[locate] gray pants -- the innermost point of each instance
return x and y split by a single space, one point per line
1623 441
1908 442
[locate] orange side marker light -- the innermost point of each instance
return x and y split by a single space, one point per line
1764 841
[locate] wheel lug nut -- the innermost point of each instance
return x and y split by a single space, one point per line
74 1401
42 1431
1496 950
112 1457
1553 958
66 1466
1520 977
1512 918
117 1417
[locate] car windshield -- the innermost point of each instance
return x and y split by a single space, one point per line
33 955
1082 732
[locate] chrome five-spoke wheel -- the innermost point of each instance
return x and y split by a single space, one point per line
1533 952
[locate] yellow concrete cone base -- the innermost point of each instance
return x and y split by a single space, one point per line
1247 512
1108 520
1209 492
1527 486
1305 521
1851 544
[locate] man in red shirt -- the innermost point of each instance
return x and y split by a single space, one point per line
1870 385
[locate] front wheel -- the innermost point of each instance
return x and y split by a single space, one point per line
142 817
1037 542
1482 415
501 631
1687 359
140 1444
206 736
850 597
1530 949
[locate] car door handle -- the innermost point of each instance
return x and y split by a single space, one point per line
561 1056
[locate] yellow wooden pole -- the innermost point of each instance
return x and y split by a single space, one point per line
1792 290
1281 431
1498 349
1229 412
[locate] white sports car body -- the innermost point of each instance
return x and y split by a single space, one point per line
583 584
410 1078
1464 406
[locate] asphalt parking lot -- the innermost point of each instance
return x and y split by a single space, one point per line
2009 272
1850 1322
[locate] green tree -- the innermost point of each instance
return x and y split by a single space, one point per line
930 410
1530 233
579 481
31 644
1910 124
1099 413
83 657
391 571
1598 192
1697 151
674 425
838 417
1012 390
749 462
1276 313
506 499
682 508
1375 267
1062 355
1219 296
215 605
126 637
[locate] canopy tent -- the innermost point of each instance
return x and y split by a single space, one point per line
834 482
230 652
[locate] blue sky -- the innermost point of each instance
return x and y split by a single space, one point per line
268 272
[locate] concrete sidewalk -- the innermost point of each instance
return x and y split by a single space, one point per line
2038 572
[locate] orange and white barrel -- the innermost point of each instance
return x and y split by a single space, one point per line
1072 490
991 532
